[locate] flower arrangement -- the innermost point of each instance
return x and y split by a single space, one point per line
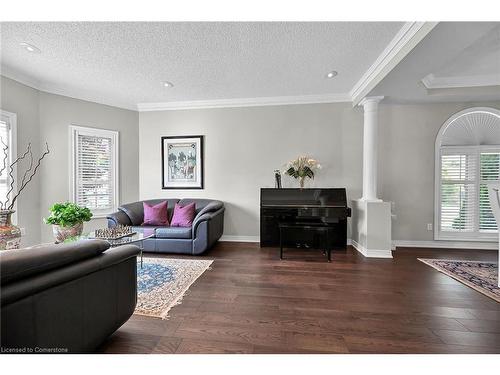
302 167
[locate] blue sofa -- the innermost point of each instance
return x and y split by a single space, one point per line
207 228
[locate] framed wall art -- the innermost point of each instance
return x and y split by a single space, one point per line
182 162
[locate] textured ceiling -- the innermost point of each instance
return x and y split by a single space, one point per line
124 63
461 54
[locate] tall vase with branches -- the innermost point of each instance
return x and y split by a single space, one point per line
10 235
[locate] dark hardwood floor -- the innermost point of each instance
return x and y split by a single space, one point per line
251 302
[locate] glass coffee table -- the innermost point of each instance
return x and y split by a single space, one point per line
137 238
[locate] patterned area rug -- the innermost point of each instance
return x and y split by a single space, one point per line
162 282
482 276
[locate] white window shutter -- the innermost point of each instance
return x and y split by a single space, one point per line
458 192
95 169
490 171
4 176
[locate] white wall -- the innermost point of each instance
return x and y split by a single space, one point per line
243 146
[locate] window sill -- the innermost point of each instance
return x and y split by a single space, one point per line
100 216
493 238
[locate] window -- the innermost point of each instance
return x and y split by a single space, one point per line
95 169
8 136
468 160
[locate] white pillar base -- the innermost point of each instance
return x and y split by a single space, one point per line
371 228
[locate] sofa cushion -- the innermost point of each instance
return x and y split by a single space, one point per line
183 215
156 215
173 232
135 211
146 229
19 264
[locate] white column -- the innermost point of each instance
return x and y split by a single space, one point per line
370 146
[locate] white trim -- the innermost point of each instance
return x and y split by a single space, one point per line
371 253
405 40
245 102
74 130
447 244
438 235
430 81
396 243
230 238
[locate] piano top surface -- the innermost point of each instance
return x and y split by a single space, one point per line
304 198
300 204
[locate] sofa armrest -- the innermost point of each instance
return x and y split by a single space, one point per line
207 229
24 263
205 216
34 284
118 218
212 207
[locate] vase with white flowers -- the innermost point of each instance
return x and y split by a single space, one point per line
301 168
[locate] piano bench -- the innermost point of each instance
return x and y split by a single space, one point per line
317 227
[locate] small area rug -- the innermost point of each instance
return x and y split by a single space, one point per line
162 282
481 276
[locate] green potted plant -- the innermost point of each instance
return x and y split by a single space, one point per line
67 220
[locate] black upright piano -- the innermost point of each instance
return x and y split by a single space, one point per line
304 206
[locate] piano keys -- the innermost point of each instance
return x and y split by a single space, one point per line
327 206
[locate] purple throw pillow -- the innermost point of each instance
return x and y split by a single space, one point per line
183 216
155 215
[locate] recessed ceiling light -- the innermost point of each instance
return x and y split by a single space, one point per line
167 84
331 74
30 47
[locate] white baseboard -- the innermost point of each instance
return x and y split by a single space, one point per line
372 253
447 244
396 243
229 238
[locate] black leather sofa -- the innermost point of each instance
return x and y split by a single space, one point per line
65 298
207 228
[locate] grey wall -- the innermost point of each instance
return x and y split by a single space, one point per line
44 117
57 113
406 162
242 148
23 100
244 145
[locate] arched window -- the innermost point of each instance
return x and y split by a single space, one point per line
467 160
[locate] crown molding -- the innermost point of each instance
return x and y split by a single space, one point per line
430 81
245 102
405 40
